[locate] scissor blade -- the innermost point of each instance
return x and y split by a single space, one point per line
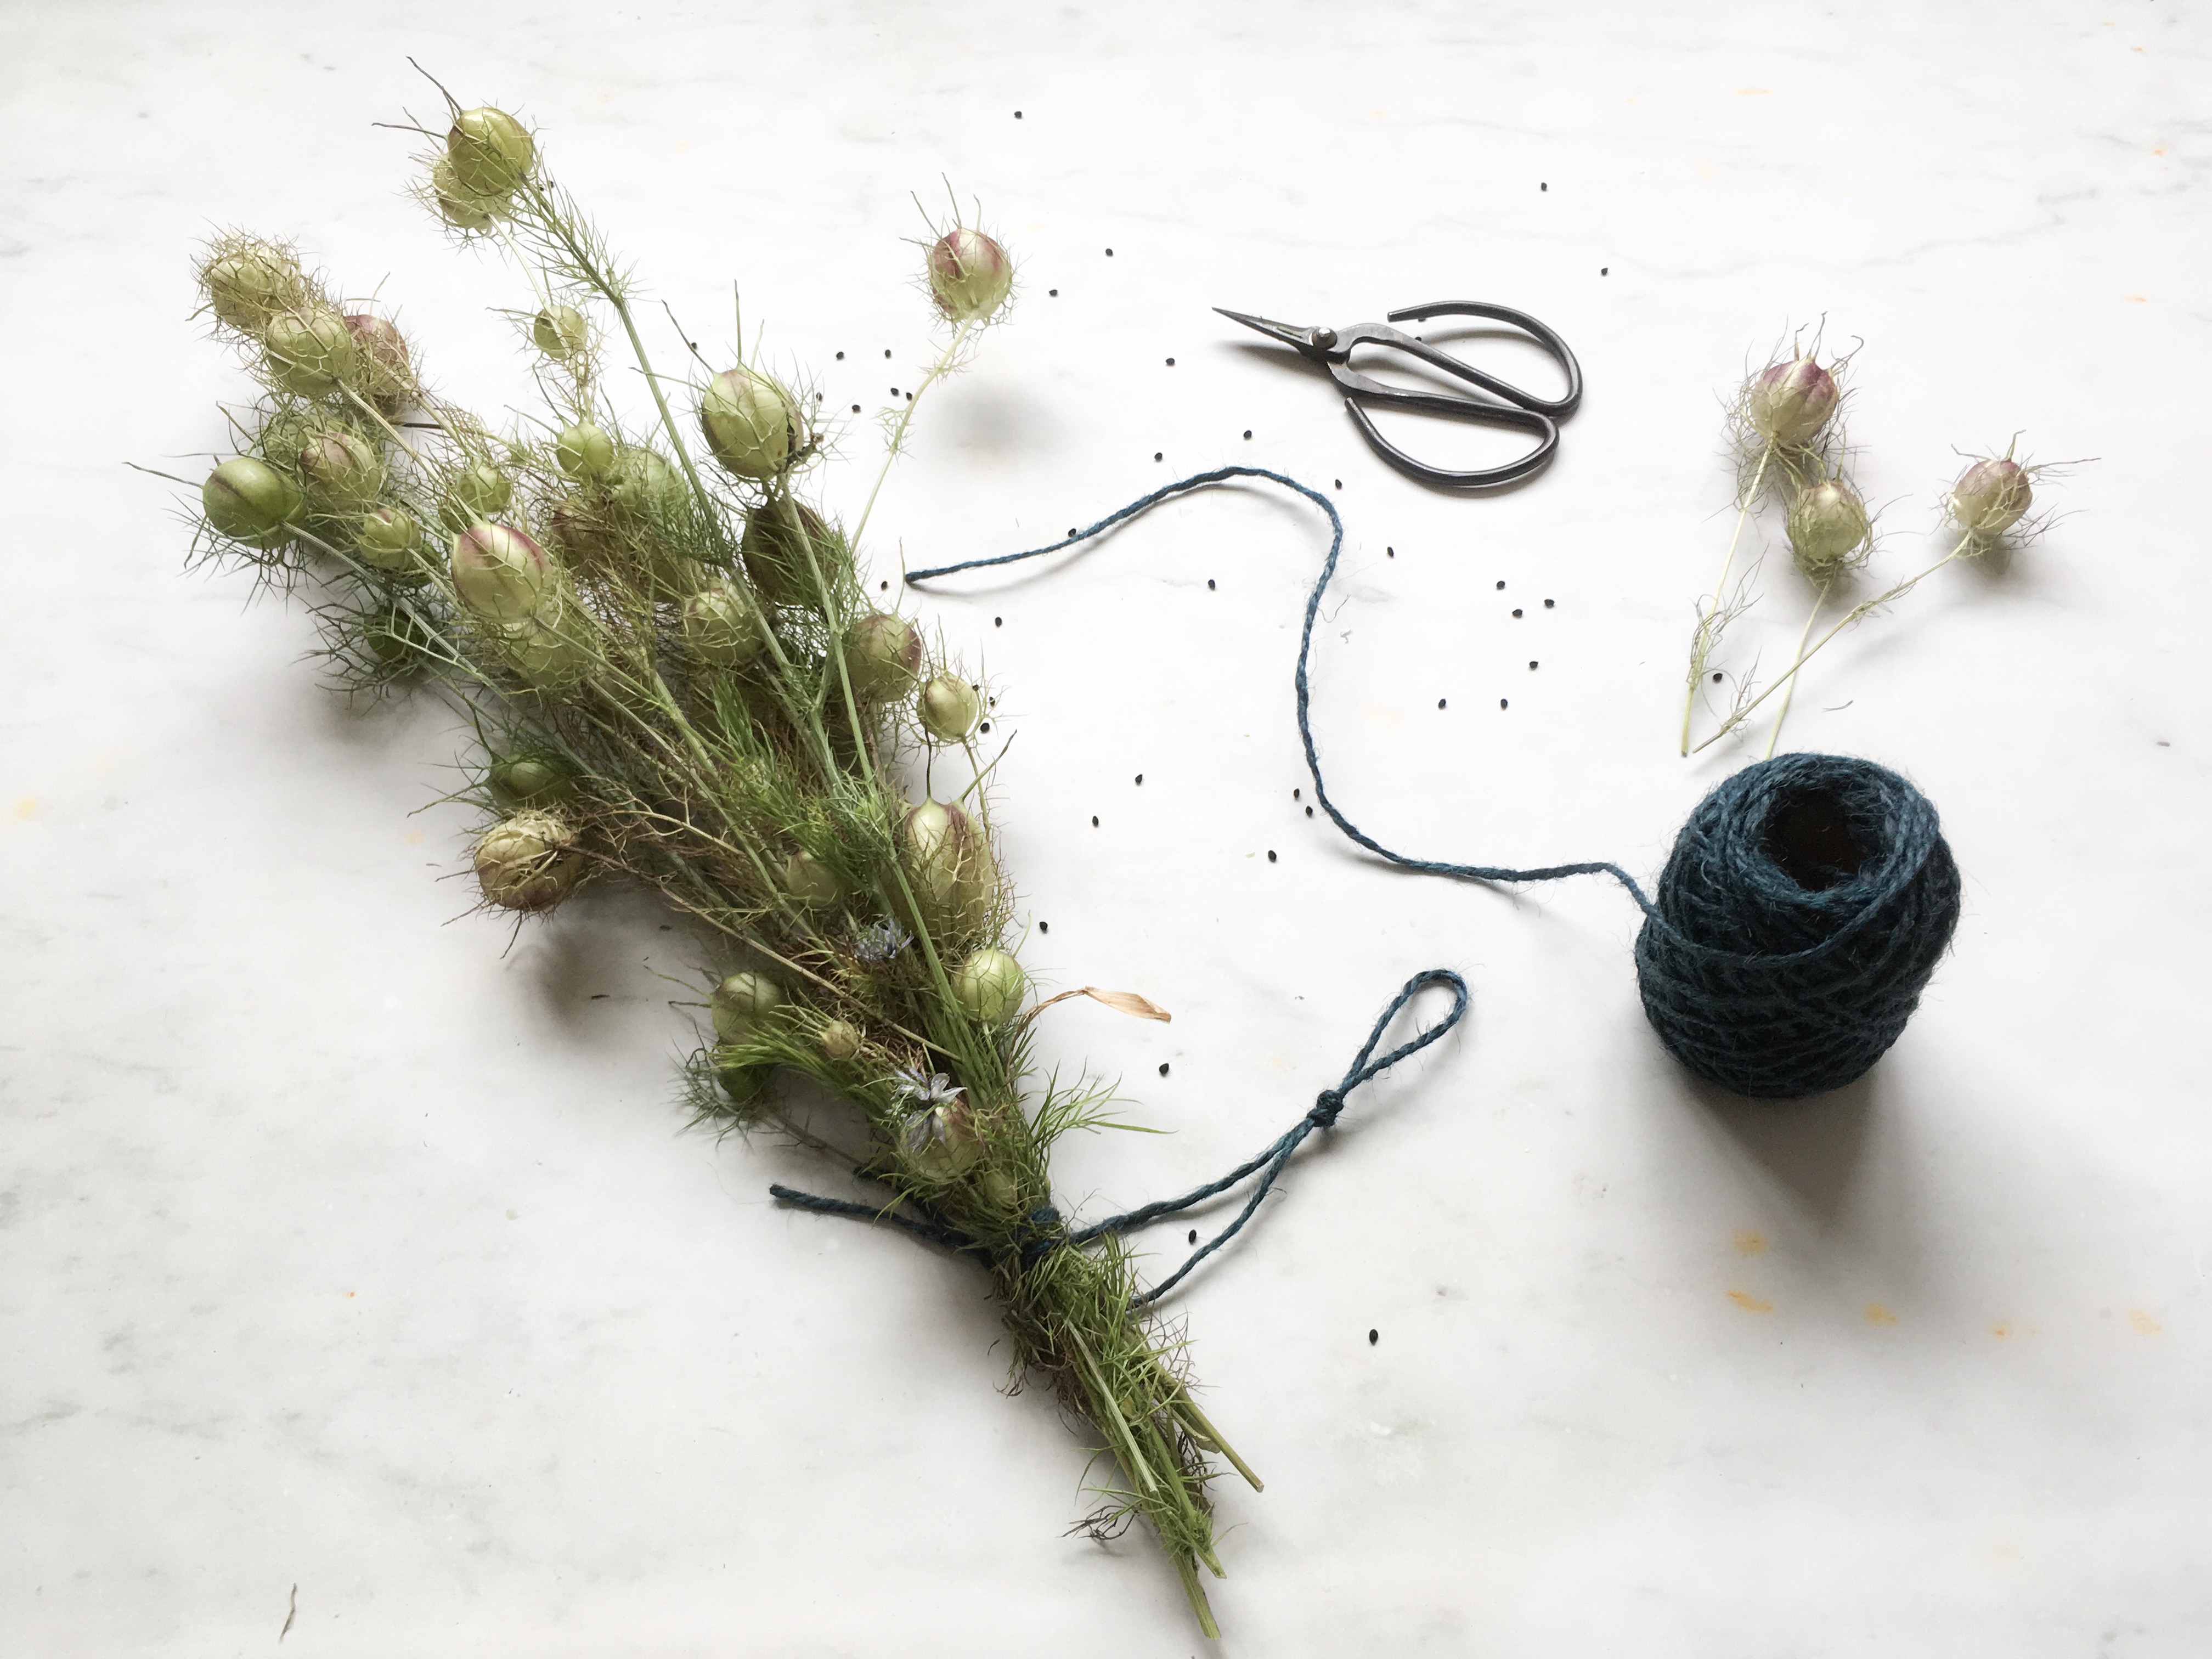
1287 334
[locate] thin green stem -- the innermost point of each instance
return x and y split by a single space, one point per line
937 371
1803 634
1709 624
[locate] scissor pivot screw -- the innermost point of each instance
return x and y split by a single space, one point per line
1324 337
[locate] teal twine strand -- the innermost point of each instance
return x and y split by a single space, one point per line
1798 921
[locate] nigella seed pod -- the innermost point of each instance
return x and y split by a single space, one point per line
461 207
532 779
307 352
989 986
490 150
752 425
641 483
943 1142
550 649
720 625
248 283
949 707
251 501
391 541
396 637
777 564
501 574
969 275
950 869
740 1002
583 452
478 490
560 332
1990 497
379 356
883 656
1790 402
810 884
529 862
841 1040
343 471
1827 526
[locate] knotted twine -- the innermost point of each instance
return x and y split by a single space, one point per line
1805 904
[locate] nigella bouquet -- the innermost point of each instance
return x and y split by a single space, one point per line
677 679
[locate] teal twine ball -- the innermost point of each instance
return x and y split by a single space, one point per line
1805 904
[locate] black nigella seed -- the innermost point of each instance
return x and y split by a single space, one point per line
1052 293
1248 431
1109 252
1309 811
1071 530
1017 115
856 409
998 622
1271 855
1094 820
1501 587
1501 703
1716 678
1044 928
1532 664
909 397
1163 1068
1194 1235
1295 793
1373 1337
841 356
1440 702
1140 777
1159 454
1390 552
1516 611
1171 362
1209 585
985 726
1543 187
1547 604
1339 484
883 587
1605 270
887 351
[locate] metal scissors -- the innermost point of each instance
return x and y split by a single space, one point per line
1332 348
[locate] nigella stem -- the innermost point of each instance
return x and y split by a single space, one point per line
1803 634
1709 625
937 371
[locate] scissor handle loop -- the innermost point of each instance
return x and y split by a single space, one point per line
1557 409
1520 467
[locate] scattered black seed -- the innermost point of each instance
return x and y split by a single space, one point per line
1271 855
1339 484
1605 270
1163 1068
1194 1235
1094 820
1248 431
1171 362
1309 811
1017 115
883 587
1532 664
1516 611
998 622
841 356
1501 587
1140 778
1044 928
856 409
1501 703
1294 794
1109 252
1071 530
887 351
1716 678
1390 552
909 397
1209 585
1159 454
985 726
1440 702
1543 187
1052 293
1373 1337
1547 604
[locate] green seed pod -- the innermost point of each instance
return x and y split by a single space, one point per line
560 332
251 501
752 425
552 649
490 150
882 657
248 284
950 869
969 275
284 434
532 779
502 574
642 483
307 352
810 884
583 452
1827 526
391 541
477 491
841 1040
1990 497
741 1084
989 985
461 207
396 638
776 563
740 1002
1788 403
945 1142
343 471
528 862
381 368
949 707
720 625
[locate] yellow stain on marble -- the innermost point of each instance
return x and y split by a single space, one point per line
27 807
1750 1303
2137 299
1749 1241
1754 91
2143 1322
413 838
1878 1314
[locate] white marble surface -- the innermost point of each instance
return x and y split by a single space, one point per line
344 1248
